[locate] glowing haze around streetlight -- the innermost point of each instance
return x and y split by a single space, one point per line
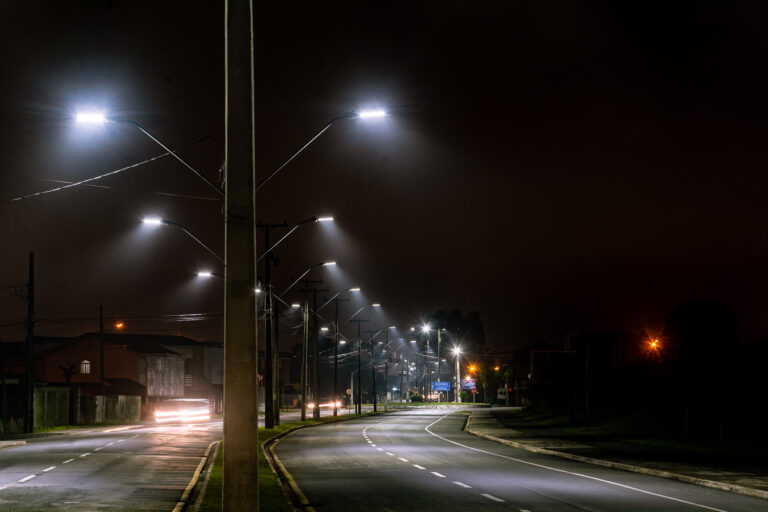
371 114
205 273
90 117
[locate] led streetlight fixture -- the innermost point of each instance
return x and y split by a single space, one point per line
152 221
205 273
92 117
325 219
295 305
426 328
376 305
258 291
324 329
354 289
371 114
329 263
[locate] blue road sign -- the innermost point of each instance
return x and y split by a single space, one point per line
441 386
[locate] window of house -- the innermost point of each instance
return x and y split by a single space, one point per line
85 367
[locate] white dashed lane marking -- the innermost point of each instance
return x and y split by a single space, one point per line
438 474
390 454
491 497
67 461
49 469
419 467
402 459
380 449
27 479
85 454
461 484
97 449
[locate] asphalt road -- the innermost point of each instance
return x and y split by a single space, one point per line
104 469
421 460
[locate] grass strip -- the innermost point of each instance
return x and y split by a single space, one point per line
271 496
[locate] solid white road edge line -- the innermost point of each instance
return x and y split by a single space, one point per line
617 484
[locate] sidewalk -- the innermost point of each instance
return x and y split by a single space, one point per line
741 471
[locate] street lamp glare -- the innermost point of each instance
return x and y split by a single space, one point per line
258 291
413 328
324 329
325 219
295 305
426 328
205 273
376 305
392 327
152 221
90 118
356 289
371 114
456 350
413 341
329 263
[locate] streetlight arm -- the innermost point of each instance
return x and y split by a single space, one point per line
325 303
172 153
302 148
193 237
294 228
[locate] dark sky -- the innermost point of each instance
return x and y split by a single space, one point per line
553 165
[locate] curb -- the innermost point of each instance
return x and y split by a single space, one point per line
290 487
736 489
184 500
10 444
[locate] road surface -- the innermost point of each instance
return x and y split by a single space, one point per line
422 460
104 469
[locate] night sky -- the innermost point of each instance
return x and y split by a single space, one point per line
552 165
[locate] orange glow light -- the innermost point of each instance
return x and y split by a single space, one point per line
496 368
119 325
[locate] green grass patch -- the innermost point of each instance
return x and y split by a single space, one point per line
271 496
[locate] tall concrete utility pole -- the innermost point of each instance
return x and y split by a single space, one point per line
29 424
240 490
269 346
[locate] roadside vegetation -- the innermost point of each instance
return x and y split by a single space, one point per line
271 495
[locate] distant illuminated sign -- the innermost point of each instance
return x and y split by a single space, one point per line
468 384
441 386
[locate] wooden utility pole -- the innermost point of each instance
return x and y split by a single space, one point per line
240 490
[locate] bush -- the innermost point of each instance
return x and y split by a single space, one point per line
417 398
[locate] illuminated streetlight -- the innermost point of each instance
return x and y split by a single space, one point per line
93 117
365 114
325 219
157 221
370 114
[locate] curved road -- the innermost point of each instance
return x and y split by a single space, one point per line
104 469
422 460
